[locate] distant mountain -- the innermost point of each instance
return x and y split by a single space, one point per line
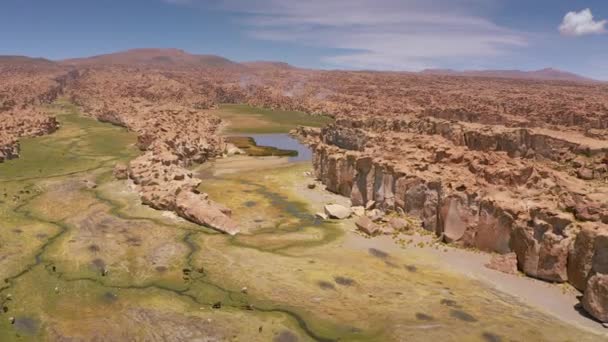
24 60
176 58
547 74
154 57
268 65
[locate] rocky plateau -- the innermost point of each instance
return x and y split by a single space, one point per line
496 164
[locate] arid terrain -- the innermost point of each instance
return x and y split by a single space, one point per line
135 203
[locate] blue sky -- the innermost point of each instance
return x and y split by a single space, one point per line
350 34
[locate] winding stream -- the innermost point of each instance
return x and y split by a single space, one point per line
82 259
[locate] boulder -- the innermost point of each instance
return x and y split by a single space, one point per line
505 263
585 173
375 215
553 258
600 258
121 171
322 216
595 298
540 252
398 224
199 209
581 256
367 226
337 211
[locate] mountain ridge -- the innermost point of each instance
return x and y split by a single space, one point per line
171 57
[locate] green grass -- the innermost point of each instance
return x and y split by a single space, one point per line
80 144
247 119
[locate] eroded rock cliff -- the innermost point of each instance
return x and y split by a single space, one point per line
493 188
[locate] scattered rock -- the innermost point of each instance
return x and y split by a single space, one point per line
322 216
311 185
121 171
369 205
337 211
366 225
375 215
398 224
358 210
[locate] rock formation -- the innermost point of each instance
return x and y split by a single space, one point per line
24 88
490 187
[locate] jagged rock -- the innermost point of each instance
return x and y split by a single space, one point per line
199 209
506 263
367 226
337 211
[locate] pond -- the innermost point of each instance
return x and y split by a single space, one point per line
284 142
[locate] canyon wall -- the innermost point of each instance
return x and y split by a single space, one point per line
491 188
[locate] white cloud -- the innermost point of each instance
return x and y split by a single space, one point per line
581 23
379 34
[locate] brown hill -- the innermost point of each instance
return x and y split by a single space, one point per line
24 61
154 57
547 74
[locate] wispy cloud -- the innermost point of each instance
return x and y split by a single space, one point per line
379 34
581 23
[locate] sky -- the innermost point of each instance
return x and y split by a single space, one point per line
408 35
